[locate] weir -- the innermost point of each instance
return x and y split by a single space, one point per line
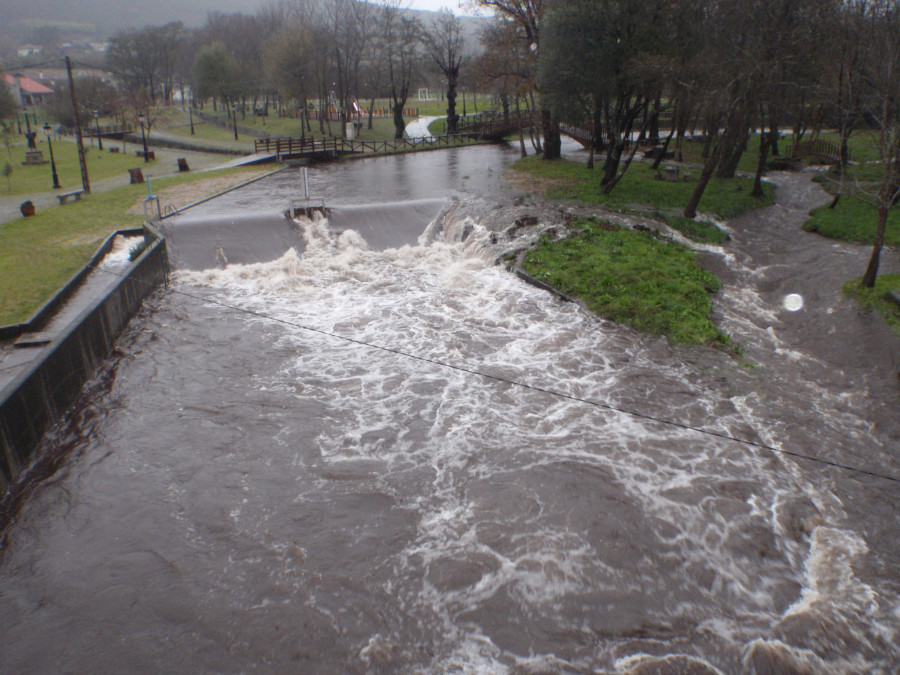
210 241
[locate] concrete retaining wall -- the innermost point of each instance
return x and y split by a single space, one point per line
40 317
43 392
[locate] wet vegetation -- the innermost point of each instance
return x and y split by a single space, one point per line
878 298
854 221
724 198
633 278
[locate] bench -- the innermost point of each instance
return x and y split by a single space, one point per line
183 165
63 198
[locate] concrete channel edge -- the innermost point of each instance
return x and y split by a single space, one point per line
42 393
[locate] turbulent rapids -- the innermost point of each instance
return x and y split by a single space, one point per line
373 455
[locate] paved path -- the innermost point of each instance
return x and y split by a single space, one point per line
166 164
418 128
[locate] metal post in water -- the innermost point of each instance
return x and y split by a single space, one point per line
305 174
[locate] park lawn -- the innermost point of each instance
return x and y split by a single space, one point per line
208 135
38 255
723 198
692 151
633 278
854 221
874 298
26 180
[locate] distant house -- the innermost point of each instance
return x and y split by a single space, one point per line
26 91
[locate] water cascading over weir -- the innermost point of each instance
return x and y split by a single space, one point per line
210 241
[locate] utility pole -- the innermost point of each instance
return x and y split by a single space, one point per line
85 181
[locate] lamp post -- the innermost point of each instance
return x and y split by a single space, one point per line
234 120
143 137
52 160
97 121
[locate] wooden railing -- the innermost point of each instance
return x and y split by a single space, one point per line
105 130
309 146
822 149
297 146
494 124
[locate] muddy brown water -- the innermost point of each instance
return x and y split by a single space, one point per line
407 460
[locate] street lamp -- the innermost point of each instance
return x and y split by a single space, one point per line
234 120
52 160
97 121
143 137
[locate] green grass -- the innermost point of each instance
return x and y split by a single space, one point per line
696 230
27 180
724 198
854 221
632 278
874 298
38 255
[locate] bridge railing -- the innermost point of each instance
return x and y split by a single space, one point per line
300 146
296 146
105 130
818 148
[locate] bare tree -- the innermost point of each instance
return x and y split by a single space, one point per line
527 15
444 42
882 76
400 37
349 25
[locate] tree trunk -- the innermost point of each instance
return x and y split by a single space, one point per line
452 117
690 210
654 122
665 148
596 126
552 138
868 280
634 147
764 144
734 148
535 138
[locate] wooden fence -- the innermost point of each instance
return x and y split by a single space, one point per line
822 149
309 146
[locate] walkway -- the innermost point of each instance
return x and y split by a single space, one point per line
166 164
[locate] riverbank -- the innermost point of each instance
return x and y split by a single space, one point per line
405 452
40 253
659 201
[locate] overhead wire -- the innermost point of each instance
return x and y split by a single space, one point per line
524 385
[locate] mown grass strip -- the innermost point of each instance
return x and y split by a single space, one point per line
38 255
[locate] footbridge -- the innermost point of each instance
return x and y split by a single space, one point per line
497 125
819 149
267 149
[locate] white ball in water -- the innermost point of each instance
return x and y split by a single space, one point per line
792 302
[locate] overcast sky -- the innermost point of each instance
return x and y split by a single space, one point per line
435 5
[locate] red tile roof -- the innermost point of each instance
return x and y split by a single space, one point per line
28 85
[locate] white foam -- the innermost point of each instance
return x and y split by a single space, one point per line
446 304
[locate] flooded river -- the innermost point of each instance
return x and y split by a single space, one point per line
360 459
